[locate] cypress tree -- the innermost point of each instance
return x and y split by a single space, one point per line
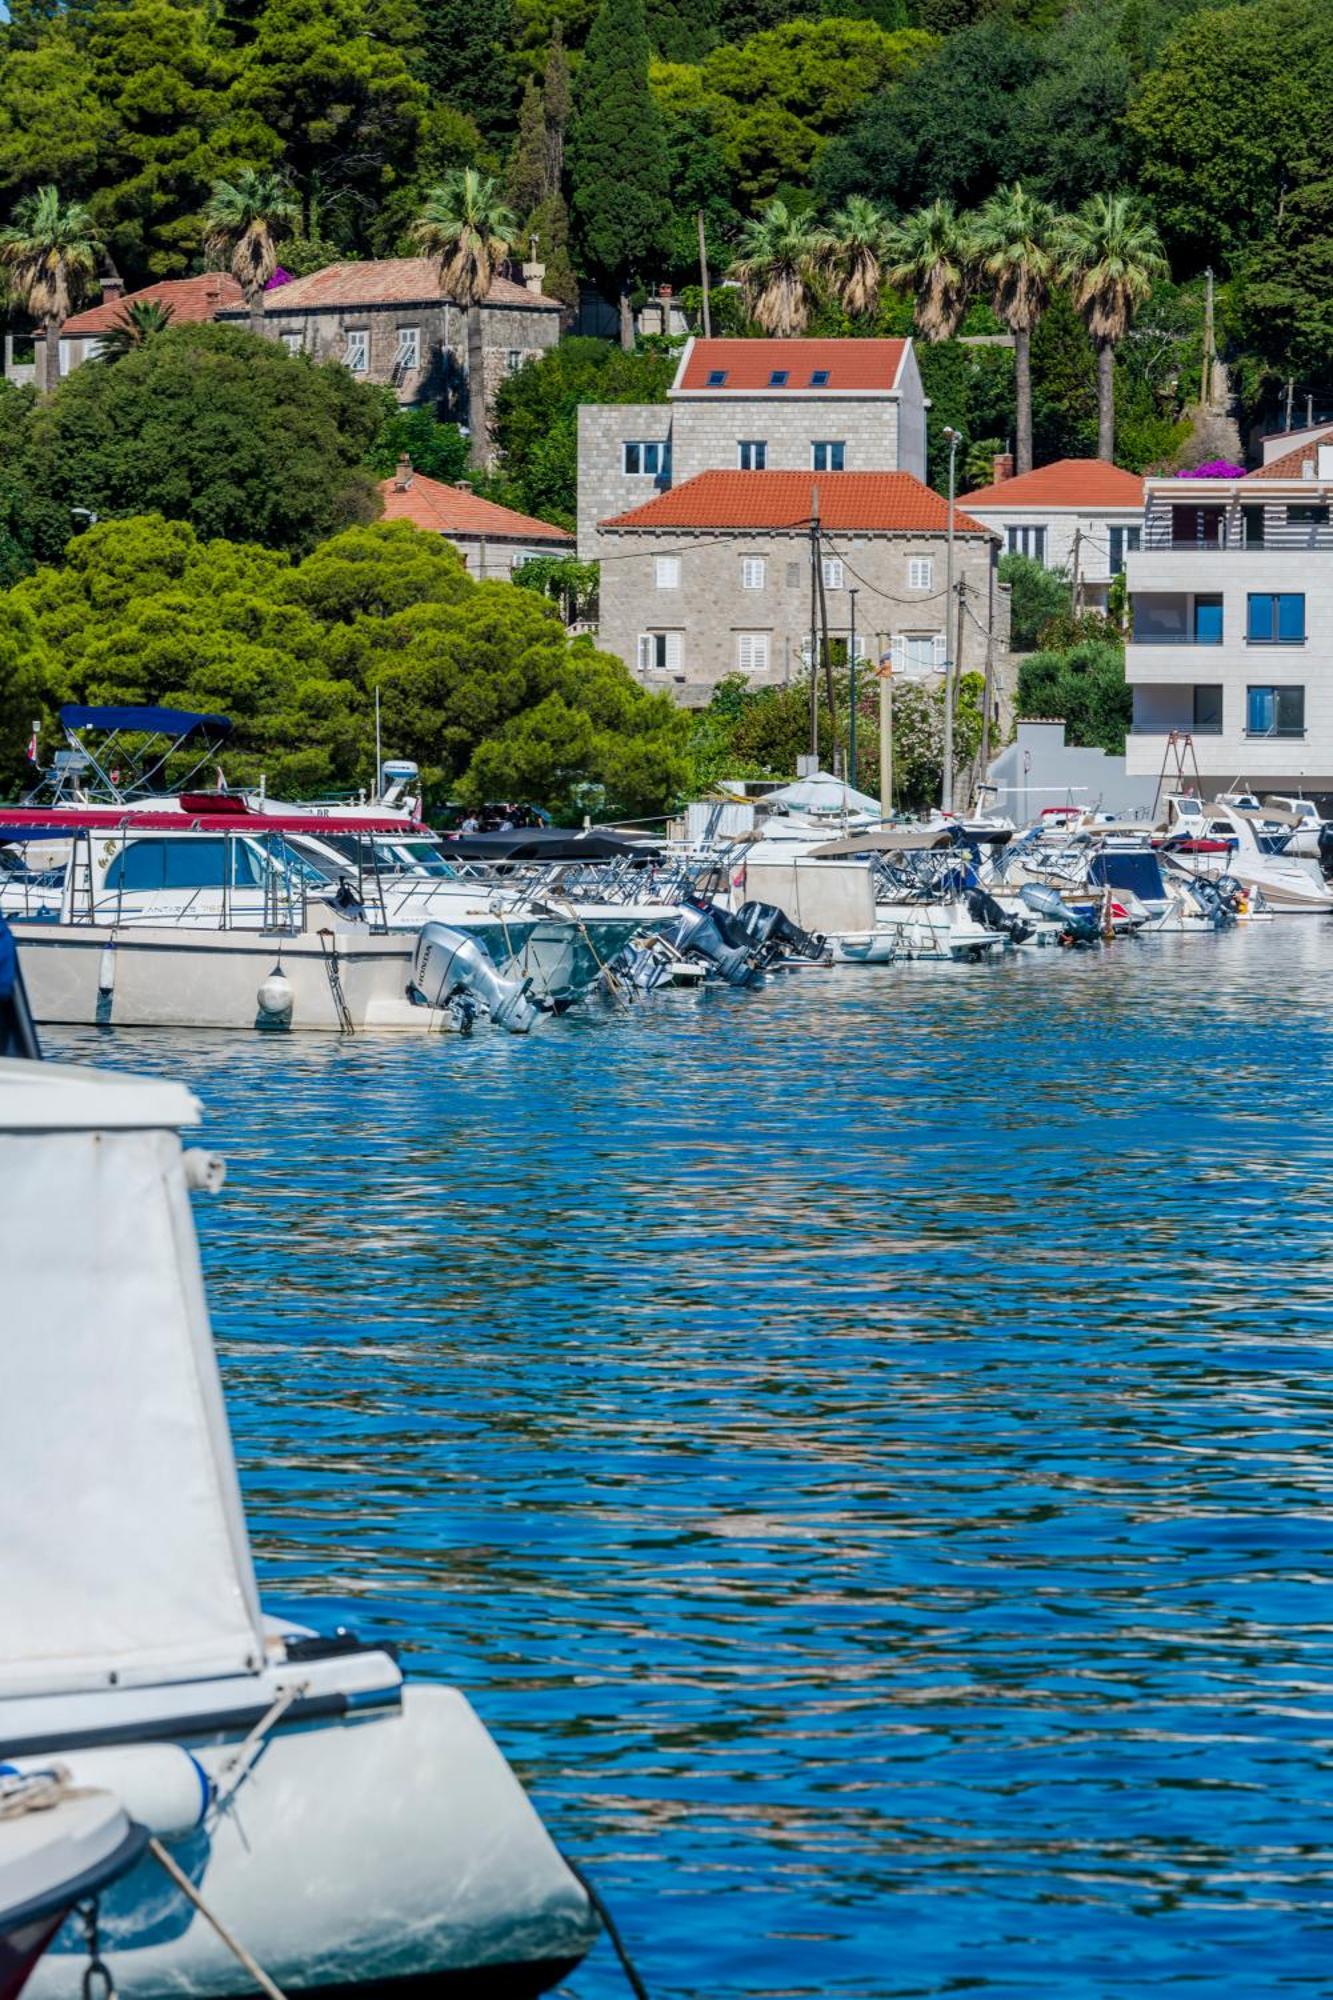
617 156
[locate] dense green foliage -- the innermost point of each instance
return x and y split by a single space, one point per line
478 681
620 189
1036 596
1083 684
536 419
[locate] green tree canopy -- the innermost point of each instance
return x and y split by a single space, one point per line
1084 684
478 682
206 424
617 151
536 419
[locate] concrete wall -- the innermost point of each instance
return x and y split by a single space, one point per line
1040 769
1276 763
711 607
604 486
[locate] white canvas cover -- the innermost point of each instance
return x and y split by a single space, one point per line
823 793
123 1550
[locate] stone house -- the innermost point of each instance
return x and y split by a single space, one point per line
390 322
713 577
190 301
1079 516
493 541
824 406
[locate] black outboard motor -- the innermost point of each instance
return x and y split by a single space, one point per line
708 933
769 927
983 909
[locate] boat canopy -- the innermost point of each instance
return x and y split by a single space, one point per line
547 843
178 722
886 840
20 823
821 792
124 1556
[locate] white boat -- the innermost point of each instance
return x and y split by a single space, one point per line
61 1845
344 1828
1252 847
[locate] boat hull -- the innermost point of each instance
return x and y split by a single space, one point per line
380 1851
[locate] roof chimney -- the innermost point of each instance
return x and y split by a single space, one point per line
533 274
1003 468
402 479
113 285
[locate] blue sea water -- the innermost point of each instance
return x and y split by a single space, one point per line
864 1446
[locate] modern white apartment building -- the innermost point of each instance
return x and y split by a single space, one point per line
1231 608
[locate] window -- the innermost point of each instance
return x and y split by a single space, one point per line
358 350
1208 711
666 572
643 457
513 360
828 455
717 378
1207 621
919 652
833 572
778 379
752 572
1276 618
752 652
1027 542
819 378
292 342
751 454
1275 711
409 347
1308 517
920 573
659 652
176 864
1123 540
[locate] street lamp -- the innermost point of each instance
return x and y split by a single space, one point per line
886 735
953 439
851 667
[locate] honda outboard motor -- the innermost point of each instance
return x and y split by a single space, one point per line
765 924
705 932
451 969
1078 929
983 909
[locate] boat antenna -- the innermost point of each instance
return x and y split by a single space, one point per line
379 758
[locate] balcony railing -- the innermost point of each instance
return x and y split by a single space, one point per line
1280 539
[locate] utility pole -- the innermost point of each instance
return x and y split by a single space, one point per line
703 272
1206 370
886 735
814 624
836 757
1290 391
1309 409
1074 581
851 669
953 439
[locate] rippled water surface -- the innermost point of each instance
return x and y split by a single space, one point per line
864 1446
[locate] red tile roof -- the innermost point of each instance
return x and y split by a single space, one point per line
748 364
1290 463
1068 482
884 503
449 510
392 281
190 299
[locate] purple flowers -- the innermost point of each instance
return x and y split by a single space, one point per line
1216 468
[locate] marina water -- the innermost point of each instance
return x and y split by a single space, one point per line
864 1446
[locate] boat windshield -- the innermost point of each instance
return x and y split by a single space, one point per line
1138 872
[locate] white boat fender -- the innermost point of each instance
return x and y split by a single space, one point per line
204 1172
160 1785
275 995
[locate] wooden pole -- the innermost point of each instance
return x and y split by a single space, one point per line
703 273
814 624
886 736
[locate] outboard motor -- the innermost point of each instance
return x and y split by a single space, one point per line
983 909
451 969
768 926
1077 929
708 933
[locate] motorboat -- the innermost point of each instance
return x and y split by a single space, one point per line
61 1845
1253 848
342 1825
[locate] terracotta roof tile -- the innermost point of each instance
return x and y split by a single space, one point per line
749 364
1067 482
190 299
449 510
849 503
1290 464
391 281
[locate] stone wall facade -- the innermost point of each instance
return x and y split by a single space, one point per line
604 486
726 602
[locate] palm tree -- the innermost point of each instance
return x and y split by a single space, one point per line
1014 240
777 258
141 320
858 247
50 251
242 222
1111 255
466 229
931 253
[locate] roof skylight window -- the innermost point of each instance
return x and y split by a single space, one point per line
717 378
819 378
778 379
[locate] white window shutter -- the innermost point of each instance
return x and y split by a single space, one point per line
937 645
673 652
645 652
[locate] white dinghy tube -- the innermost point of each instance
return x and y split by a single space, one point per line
348 1830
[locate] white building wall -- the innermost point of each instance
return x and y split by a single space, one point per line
1061 524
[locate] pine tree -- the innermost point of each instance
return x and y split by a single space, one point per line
466 59
556 108
527 179
617 155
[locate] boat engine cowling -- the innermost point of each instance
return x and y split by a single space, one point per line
983 909
702 934
765 924
1082 930
451 969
